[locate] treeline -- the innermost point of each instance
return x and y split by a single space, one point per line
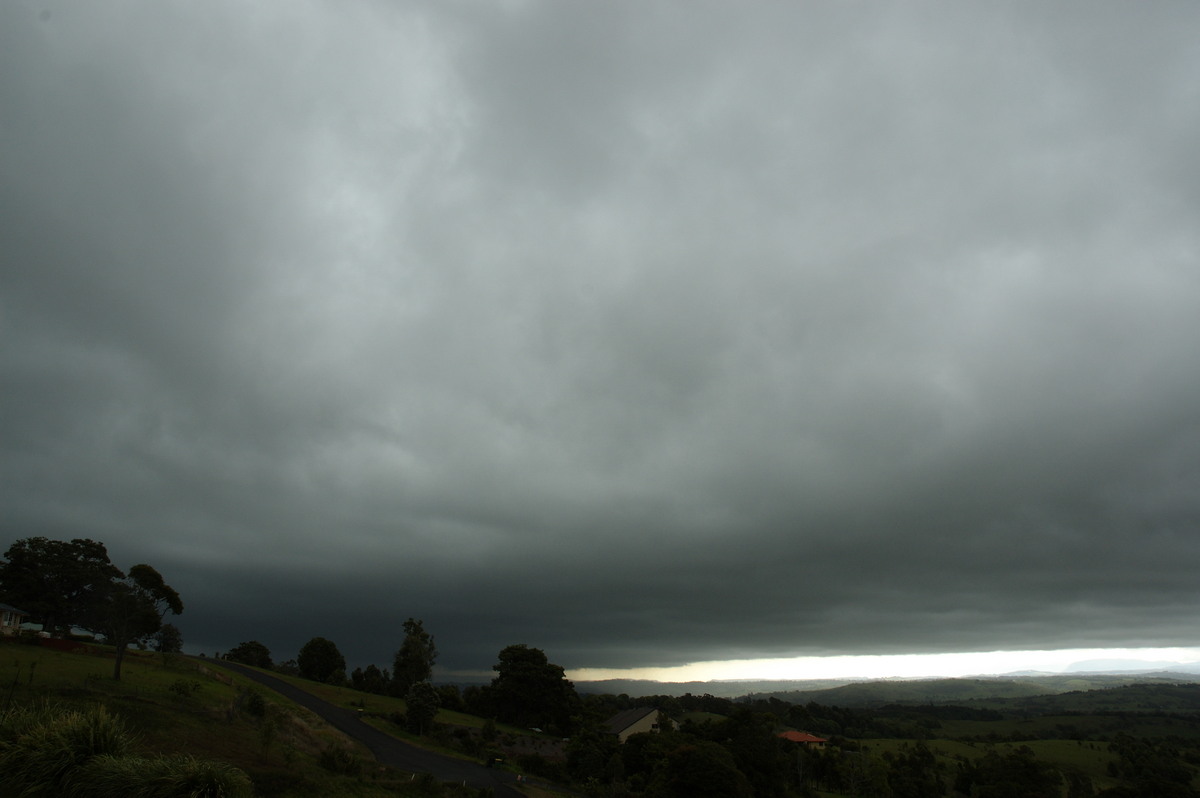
321 661
528 690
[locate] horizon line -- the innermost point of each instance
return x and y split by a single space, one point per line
939 665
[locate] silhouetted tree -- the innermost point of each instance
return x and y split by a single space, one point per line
131 608
251 652
529 690
168 639
414 661
370 680
57 582
288 667
321 661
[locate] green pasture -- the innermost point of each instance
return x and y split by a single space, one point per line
702 717
30 671
1092 727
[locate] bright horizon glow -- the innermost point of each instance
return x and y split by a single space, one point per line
884 666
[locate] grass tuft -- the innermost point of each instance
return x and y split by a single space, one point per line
43 746
51 751
164 777
337 759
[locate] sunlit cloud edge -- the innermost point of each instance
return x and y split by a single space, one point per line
884 666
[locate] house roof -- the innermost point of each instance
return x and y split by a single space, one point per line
10 608
802 737
623 720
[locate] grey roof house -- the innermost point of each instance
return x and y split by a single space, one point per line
634 721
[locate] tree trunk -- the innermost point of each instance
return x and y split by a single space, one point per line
117 662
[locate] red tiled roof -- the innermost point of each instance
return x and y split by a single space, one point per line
802 737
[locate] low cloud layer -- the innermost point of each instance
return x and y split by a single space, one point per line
641 333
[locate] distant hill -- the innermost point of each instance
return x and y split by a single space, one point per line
964 691
881 692
1132 666
917 691
1143 697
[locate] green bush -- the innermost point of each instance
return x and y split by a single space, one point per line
256 705
337 759
184 688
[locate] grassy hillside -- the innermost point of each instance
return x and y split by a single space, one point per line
177 705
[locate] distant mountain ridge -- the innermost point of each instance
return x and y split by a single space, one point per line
880 692
1132 666
967 690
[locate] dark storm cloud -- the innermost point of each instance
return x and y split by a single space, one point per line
644 334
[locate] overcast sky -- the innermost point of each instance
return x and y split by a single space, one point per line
640 332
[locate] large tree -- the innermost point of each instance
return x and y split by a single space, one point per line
250 652
414 661
321 661
529 690
55 581
131 608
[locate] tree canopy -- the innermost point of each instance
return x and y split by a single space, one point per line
529 690
57 582
371 680
321 661
131 608
250 652
168 639
414 661
421 702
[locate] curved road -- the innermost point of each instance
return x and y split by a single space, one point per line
387 750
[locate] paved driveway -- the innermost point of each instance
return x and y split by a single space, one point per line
387 750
